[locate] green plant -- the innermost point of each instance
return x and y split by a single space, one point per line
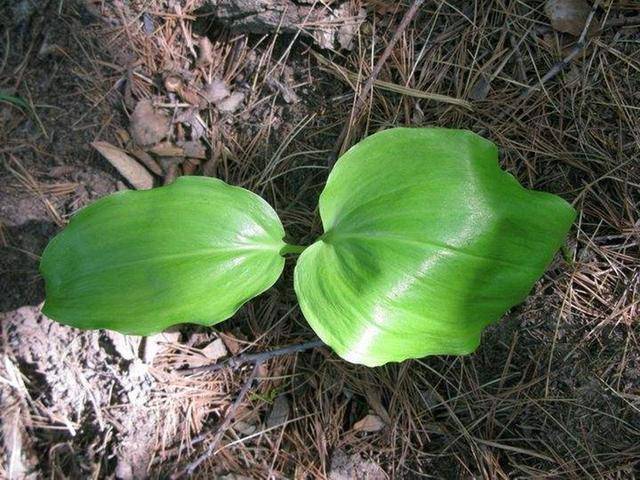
426 242
13 100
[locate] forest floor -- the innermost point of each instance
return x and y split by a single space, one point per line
258 98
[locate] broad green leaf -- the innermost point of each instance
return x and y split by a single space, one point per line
141 261
426 242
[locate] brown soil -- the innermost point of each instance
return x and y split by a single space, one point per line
552 391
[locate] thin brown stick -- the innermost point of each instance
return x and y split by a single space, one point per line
255 358
621 22
553 71
359 105
220 431
562 64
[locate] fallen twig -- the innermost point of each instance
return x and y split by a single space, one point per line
621 22
553 71
229 416
562 64
255 358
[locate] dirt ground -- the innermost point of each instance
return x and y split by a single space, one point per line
256 93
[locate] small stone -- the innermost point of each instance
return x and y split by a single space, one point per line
279 412
245 428
370 423
156 343
231 103
209 354
216 91
215 350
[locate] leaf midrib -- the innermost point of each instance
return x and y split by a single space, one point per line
183 255
386 237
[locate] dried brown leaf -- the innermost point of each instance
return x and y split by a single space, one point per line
135 173
205 56
147 160
568 16
231 343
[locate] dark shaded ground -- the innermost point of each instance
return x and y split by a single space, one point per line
49 61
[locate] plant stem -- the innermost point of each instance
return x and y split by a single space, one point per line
292 249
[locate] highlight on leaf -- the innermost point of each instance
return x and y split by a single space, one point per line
427 241
141 261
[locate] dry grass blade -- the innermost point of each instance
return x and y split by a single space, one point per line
229 416
364 93
393 87
31 184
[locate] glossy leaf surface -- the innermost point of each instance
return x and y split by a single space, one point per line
427 241
139 262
